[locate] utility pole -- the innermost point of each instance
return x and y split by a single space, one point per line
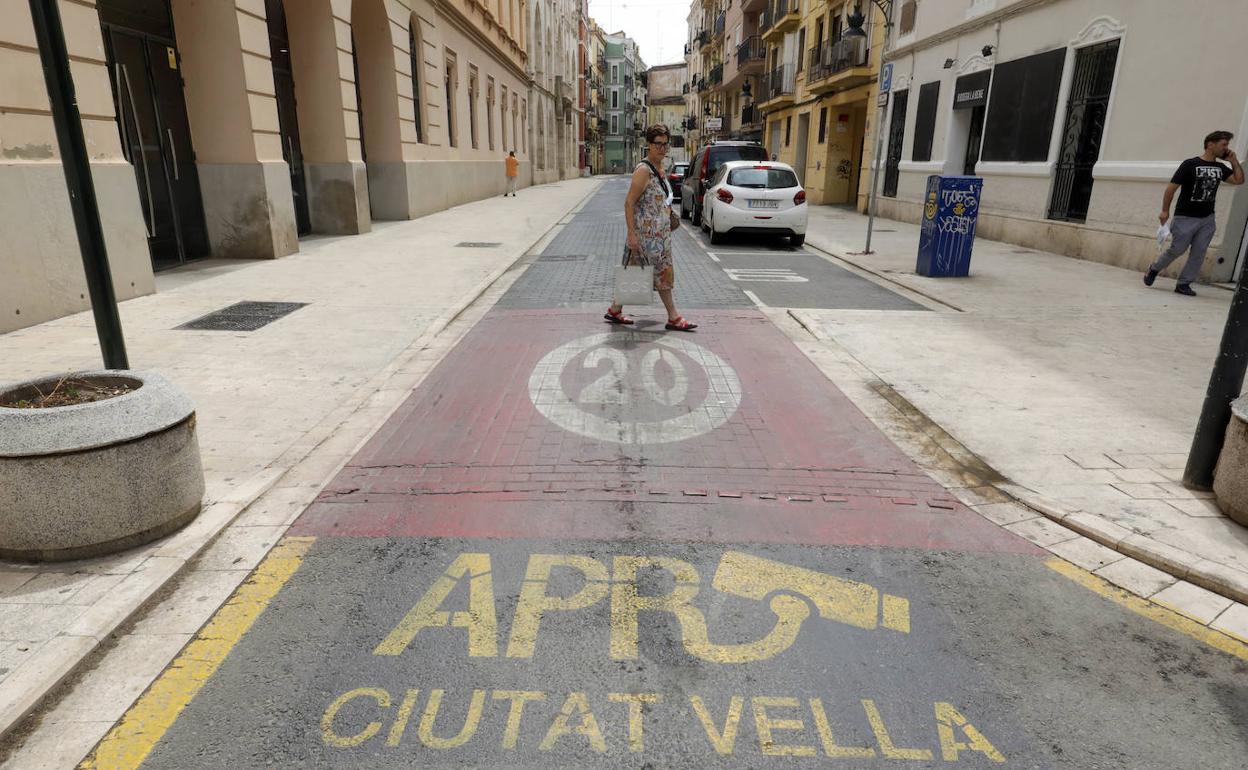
1225 384
886 7
50 35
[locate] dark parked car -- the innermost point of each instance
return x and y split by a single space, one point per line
704 165
676 175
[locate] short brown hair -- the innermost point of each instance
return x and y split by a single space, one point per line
657 130
1218 136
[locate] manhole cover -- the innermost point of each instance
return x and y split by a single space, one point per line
243 316
563 258
476 245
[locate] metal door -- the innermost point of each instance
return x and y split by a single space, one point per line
156 140
896 135
1086 110
287 114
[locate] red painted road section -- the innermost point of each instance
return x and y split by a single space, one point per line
469 455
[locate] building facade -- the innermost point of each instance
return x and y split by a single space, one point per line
554 72
666 105
693 64
1069 113
597 115
625 104
817 95
232 128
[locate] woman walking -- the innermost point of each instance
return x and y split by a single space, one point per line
648 213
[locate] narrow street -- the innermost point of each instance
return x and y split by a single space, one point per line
584 545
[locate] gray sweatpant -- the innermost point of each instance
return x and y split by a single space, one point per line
1188 231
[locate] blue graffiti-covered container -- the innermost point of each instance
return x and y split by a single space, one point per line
950 210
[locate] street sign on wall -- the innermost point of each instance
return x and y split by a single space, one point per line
714 124
886 78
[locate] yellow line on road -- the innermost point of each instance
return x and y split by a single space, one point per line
1167 618
133 738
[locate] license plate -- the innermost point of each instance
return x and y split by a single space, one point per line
757 203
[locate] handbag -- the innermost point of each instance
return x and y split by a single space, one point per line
634 284
673 217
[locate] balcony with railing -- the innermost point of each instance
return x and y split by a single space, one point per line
781 17
839 64
703 85
715 76
750 115
702 39
779 87
720 21
751 54
752 6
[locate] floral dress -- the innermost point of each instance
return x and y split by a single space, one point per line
654 232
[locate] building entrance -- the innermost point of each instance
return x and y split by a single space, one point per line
287 115
145 72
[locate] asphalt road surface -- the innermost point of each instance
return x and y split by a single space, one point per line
581 545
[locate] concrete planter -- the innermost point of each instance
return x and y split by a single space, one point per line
1231 482
96 478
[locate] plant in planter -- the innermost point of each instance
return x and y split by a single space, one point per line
94 463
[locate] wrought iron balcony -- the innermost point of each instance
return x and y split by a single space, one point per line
750 51
703 38
720 21
834 57
715 76
781 83
702 85
684 88
750 115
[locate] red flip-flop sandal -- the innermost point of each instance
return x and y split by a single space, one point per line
618 318
680 325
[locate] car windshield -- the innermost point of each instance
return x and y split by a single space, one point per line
762 178
680 168
721 155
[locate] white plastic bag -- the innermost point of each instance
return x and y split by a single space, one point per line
1163 234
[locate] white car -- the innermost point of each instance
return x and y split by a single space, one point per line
759 197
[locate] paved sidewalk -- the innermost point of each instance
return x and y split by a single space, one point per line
279 409
1073 381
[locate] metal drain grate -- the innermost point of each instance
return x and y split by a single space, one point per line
476 245
563 258
243 316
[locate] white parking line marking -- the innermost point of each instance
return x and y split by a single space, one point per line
712 256
767 274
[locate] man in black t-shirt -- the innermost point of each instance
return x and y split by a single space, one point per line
1196 181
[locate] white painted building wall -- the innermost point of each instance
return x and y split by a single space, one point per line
1179 77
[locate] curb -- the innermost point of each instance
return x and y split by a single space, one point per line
64 655
1221 579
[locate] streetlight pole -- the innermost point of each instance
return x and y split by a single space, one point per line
886 7
1225 384
50 35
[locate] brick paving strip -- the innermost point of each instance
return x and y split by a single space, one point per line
329 377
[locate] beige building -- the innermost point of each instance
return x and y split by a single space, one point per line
553 72
596 113
666 105
231 128
1074 112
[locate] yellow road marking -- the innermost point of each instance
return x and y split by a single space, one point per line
142 727
1155 612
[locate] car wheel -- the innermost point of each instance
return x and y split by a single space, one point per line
716 235
696 217
797 240
684 210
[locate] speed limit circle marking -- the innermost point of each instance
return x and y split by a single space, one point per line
645 377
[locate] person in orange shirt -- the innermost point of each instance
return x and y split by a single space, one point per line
513 171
